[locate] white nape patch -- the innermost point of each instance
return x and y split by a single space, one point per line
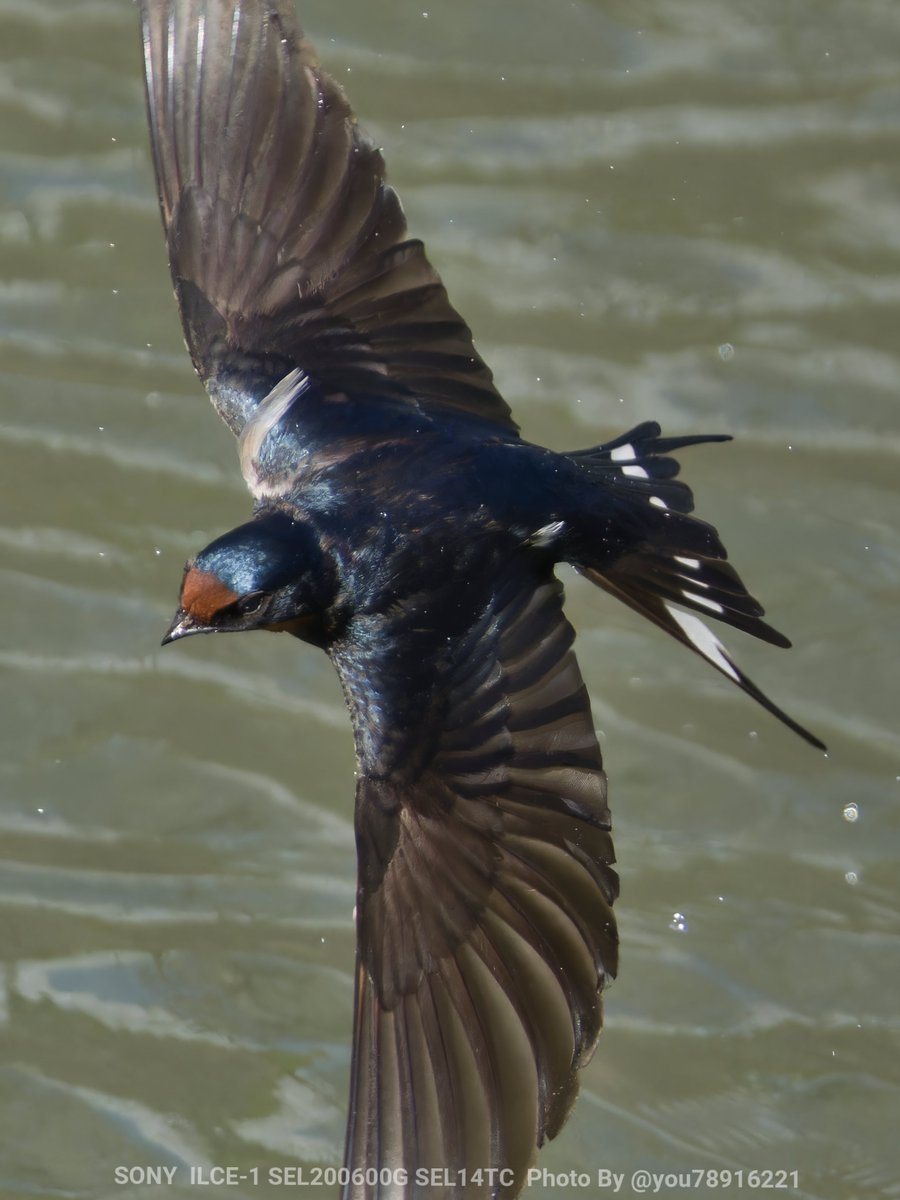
658 503
703 639
547 534
693 563
272 408
622 453
635 472
710 604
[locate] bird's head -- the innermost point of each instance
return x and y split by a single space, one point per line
268 574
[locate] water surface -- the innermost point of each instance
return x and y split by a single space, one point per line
689 212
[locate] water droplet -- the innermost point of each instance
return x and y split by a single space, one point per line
852 878
726 352
678 922
851 812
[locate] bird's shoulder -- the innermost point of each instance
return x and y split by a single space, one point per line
366 457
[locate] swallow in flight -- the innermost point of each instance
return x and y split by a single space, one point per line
401 524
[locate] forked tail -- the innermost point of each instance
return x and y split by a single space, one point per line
670 561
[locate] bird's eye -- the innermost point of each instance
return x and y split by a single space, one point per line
250 604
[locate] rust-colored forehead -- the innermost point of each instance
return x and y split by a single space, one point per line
203 594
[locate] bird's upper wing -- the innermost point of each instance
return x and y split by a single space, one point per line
287 247
484 915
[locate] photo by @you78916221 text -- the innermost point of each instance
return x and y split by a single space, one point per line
401 524
450 1180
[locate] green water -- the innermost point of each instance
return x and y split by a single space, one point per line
677 209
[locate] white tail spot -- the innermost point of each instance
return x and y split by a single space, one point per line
693 563
635 472
658 503
622 453
710 604
703 639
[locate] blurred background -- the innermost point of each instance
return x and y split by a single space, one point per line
688 212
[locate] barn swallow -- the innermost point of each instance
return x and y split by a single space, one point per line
401 524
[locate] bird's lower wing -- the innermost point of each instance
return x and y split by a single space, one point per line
485 924
287 247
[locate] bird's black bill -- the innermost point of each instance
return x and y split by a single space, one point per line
183 626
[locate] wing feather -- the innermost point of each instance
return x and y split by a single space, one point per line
485 922
287 247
